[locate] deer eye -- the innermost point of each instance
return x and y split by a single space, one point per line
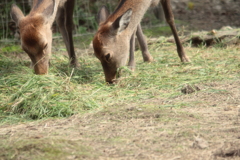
107 57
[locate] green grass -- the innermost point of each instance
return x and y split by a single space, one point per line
158 31
66 91
11 48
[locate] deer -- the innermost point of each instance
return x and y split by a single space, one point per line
36 34
111 41
103 13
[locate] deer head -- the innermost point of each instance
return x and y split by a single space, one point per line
111 42
35 32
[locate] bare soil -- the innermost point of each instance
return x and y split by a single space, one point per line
205 126
207 14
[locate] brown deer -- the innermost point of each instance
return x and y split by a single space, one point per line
104 13
36 34
111 42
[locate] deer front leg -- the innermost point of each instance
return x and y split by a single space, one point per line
64 20
143 45
170 20
131 62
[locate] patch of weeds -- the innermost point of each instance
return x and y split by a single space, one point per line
40 92
10 66
158 31
11 48
44 149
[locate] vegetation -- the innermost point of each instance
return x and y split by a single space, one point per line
67 91
73 114
84 18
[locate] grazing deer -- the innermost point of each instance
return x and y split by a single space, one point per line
111 42
104 13
36 34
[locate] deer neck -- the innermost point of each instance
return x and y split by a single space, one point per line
139 8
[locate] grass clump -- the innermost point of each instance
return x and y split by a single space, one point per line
40 96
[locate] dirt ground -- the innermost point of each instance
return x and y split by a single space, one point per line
207 129
207 14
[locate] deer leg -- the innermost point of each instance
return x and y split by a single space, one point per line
170 20
158 12
65 21
143 45
131 62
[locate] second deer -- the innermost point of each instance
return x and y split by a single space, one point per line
36 34
111 42
104 13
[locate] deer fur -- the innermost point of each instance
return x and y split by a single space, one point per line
104 13
111 42
36 34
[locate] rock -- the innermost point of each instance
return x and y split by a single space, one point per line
200 143
188 89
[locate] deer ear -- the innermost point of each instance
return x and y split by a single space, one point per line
50 9
122 22
16 13
102 15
